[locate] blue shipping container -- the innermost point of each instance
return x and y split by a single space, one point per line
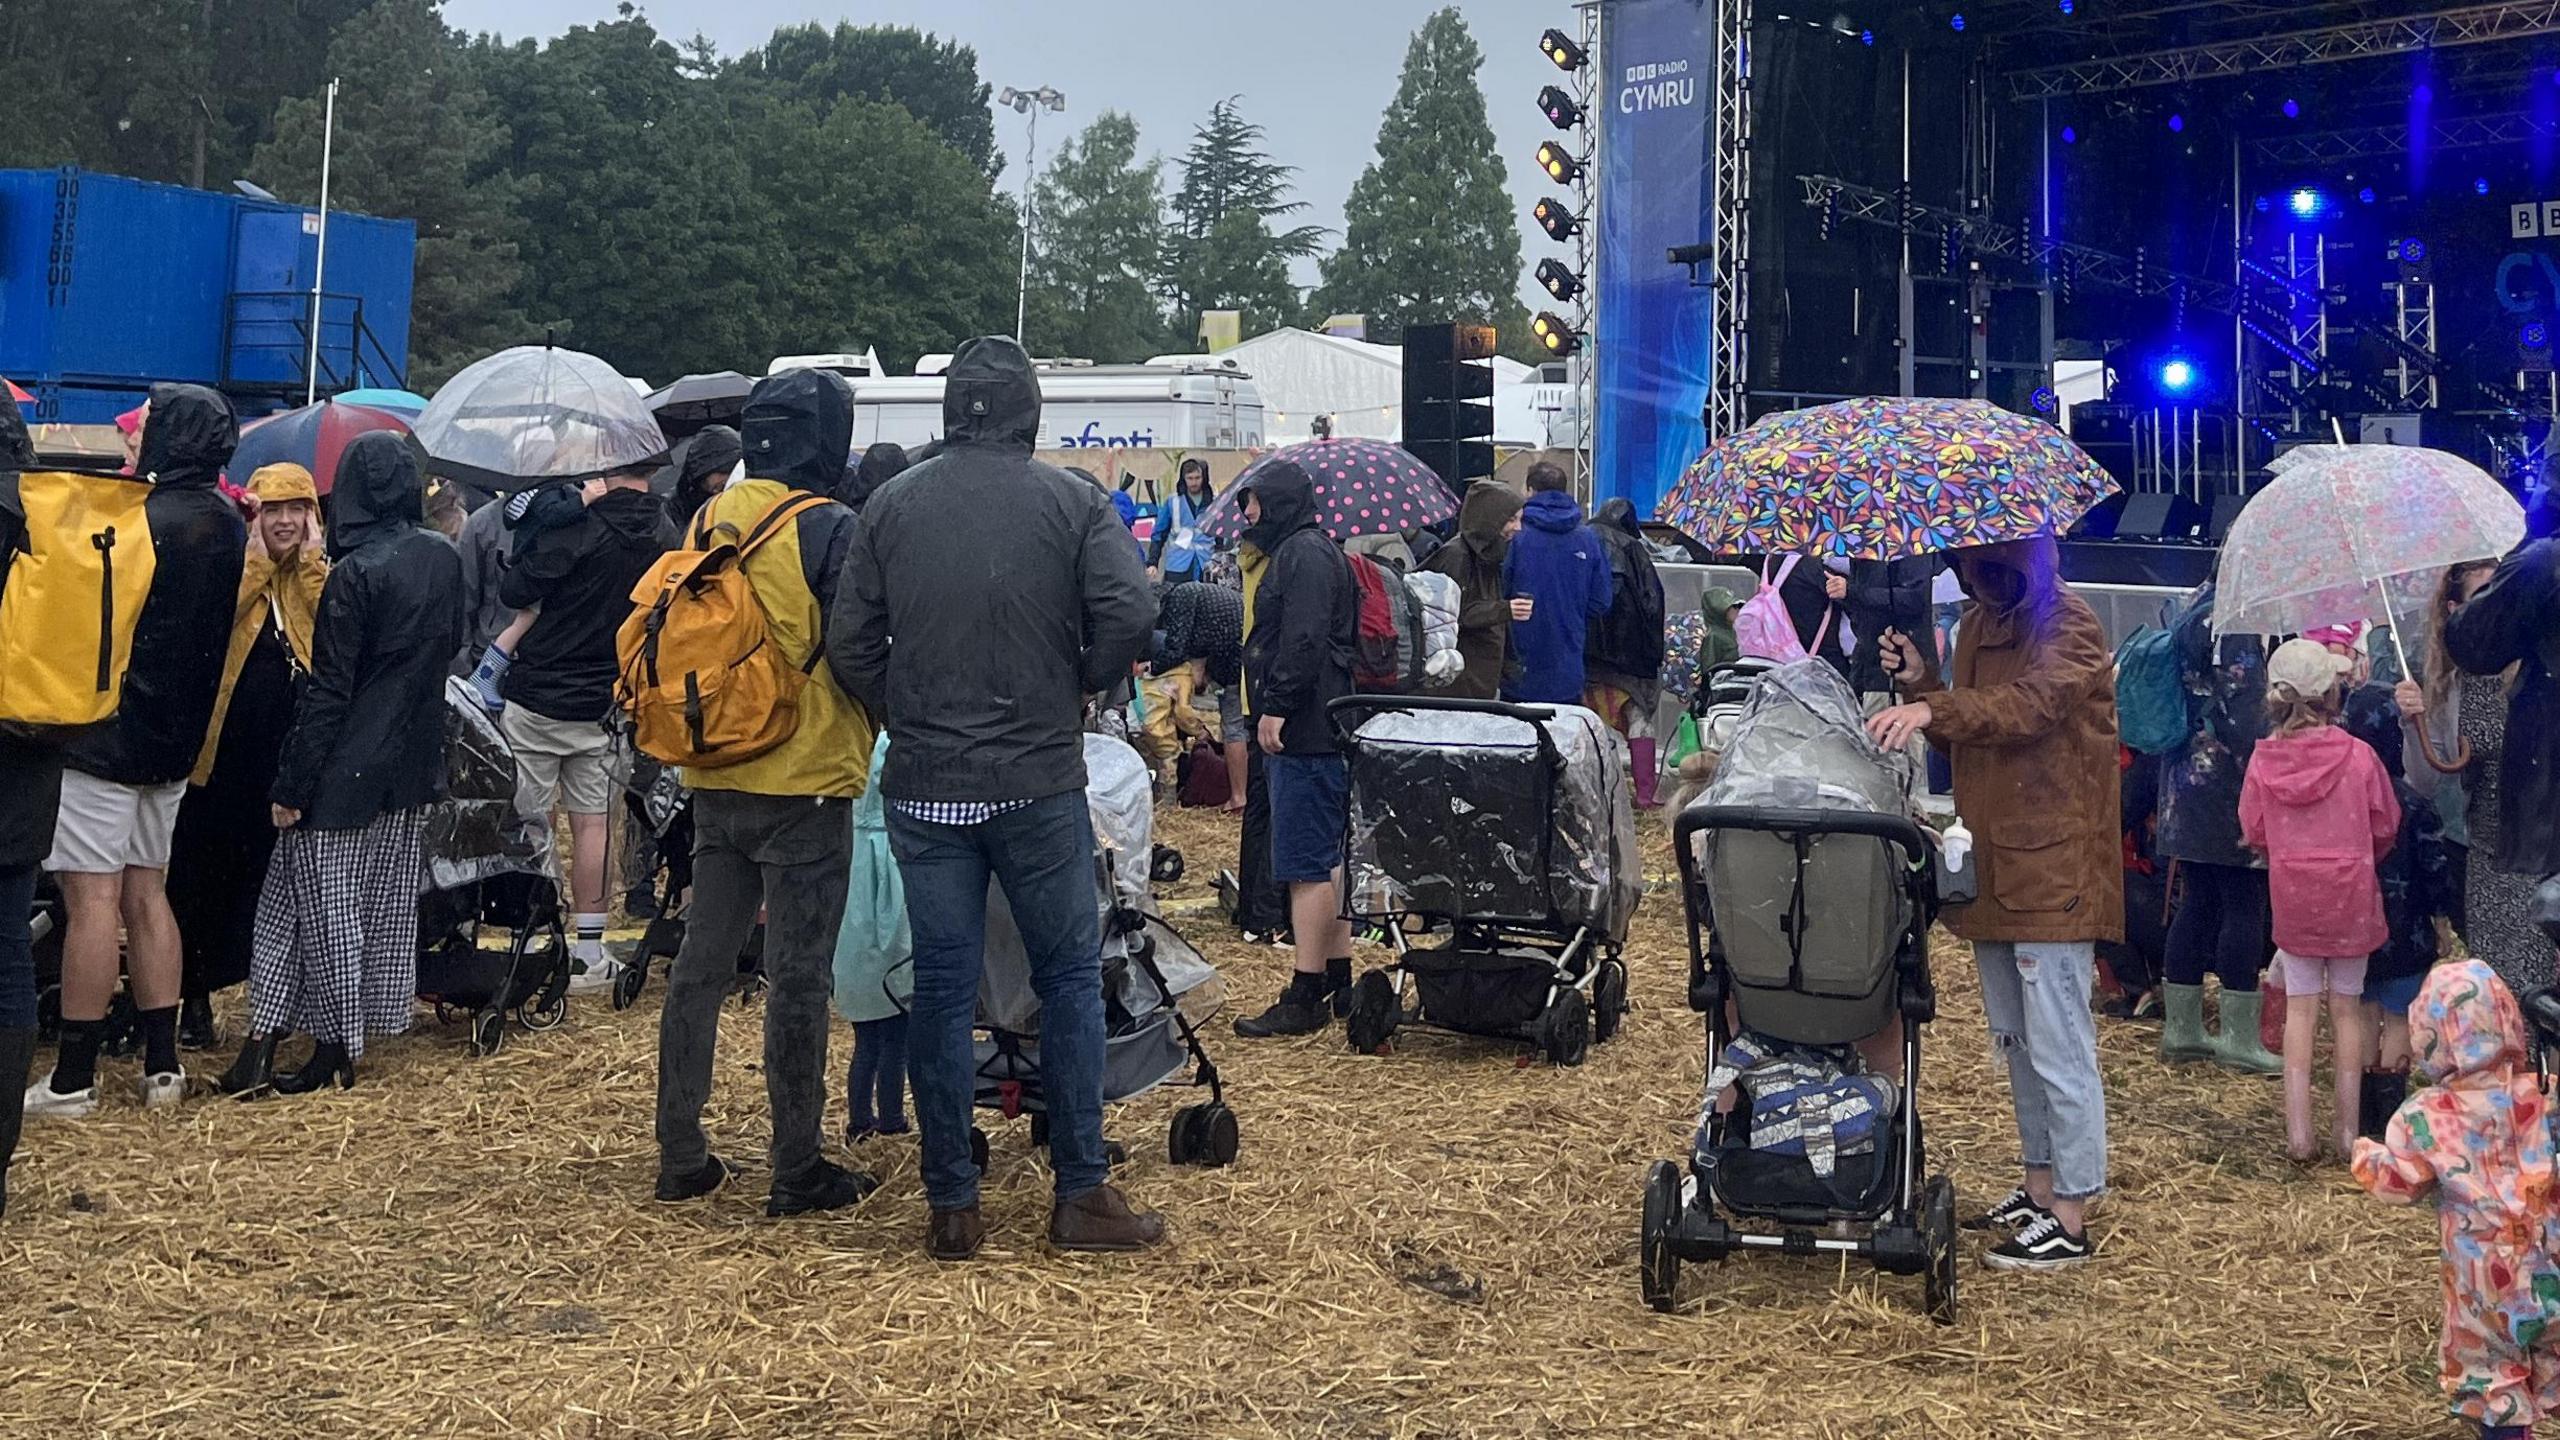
108 285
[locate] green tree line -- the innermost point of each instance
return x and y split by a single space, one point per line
676 210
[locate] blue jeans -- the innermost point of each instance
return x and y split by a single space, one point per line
1043 857
2035 998
17 952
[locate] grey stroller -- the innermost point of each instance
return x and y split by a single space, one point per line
1157 988
1810 891
1512 828
488 869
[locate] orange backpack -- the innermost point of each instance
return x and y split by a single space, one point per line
702 681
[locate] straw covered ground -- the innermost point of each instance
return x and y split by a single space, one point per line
1435 1243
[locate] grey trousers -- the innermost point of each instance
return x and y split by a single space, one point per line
790 855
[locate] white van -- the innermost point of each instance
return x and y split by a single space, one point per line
1158 407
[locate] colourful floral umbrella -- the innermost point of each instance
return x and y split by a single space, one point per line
1363 487
1884 479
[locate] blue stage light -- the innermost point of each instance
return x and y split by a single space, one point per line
2177 377
2265 205
2535 335
2177 124
2365 195
2044 400
2069 5
2480 186
1956 23
1867 38
2413 251
2307 203
2070 136
2293 109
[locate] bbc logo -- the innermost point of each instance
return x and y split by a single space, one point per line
2534 220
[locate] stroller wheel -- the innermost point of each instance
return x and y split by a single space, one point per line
1218 1137
545 1012
1660 1264
1373 1014
1564 1032
978 1149
1182 1138
488 1031
1608 1000
1938 1231
1165 865
627 984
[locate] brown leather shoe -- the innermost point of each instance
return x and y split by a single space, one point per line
954 1234
1101 1219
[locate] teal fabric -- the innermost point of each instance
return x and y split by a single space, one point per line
875 973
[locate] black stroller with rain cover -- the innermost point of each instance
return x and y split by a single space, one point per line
1157 988
488 868
1512 828
1810 891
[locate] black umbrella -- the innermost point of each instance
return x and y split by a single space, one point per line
715 399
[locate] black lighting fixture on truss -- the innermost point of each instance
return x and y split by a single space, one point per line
1568 160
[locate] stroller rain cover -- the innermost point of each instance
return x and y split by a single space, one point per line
1464 814
473 832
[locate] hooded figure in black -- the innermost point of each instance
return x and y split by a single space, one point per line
336 954
30 788
200 545
369 736
1010 589
581 577
880 464
1626 647
710 455
1302 616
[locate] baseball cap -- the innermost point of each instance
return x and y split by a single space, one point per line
2304 669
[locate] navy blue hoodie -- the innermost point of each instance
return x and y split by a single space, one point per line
1561 566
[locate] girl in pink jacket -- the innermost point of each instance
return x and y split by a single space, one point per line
2318 804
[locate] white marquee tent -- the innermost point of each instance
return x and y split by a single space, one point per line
1302 375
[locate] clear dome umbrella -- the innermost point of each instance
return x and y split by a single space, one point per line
537 413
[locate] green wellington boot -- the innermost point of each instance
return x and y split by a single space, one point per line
2237 1047
2182 1037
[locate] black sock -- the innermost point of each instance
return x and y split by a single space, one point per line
75 1065
160 1041
1337 974
1303 986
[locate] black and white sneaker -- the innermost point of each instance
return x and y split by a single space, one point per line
2043 1245
2016 1209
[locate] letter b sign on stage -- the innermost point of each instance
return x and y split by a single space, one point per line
1654 342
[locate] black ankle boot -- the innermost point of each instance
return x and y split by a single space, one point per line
195 1024
2385 1091
254 1073
17 1056
328 1063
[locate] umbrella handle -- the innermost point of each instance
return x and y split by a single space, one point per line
2462 756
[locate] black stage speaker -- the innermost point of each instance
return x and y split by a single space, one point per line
2226 511
2170 518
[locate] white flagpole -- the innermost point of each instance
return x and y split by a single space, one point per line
320 262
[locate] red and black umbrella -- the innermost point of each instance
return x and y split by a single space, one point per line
18 395
1363 487
312 437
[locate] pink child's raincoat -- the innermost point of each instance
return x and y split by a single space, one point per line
2479 1138
2319 806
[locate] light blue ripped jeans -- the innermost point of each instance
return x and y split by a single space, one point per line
2035 997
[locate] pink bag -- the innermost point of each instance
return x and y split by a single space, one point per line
1764 627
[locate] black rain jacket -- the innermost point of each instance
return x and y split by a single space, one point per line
2515 620
1628 642
369 737
1306 616
30 761
581 576
985 596
200 544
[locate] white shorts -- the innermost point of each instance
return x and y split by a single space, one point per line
107 829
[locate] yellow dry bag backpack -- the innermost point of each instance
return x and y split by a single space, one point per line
73 591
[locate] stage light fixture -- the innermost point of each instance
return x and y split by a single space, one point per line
1560 167
1557 219
2069 5
1562 113
2177 123
1830 212
1956 23
2365 196
1867 38
2070 136
2292 109
1554 335
2535 335
2480 186
2413 251
1560 282
2266 205
2044 400
1561 48
2177 376
2307 203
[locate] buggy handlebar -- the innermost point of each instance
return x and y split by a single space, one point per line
1897 830
1349 710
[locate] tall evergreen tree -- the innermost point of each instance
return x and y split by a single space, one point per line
1098 247
417 139
1225 254
1431 232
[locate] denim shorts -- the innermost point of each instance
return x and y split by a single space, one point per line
1310 806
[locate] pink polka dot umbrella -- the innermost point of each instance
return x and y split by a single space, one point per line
1363 487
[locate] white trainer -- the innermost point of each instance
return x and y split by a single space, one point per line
593 973
44 1104
163 1090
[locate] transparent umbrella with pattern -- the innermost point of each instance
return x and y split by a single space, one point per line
1885 479
2341 525
1363 487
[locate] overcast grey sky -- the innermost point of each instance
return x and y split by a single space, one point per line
1315 73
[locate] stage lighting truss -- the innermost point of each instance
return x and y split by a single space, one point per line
2437 28
1986 239
1570 161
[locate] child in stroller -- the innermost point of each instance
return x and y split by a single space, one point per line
1537 919
1156 988
1810 891
488 866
